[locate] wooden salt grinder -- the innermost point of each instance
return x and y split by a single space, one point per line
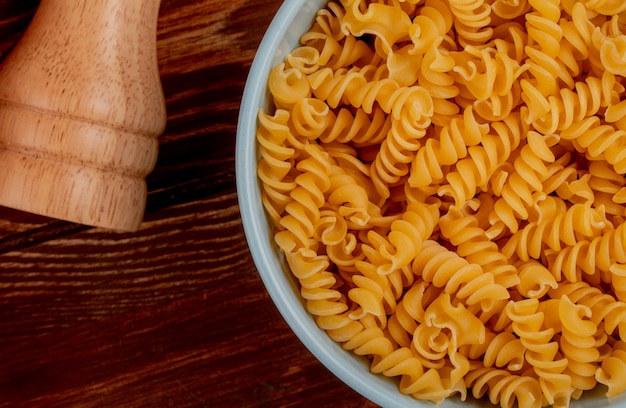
81 109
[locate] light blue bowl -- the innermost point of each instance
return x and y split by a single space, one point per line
292 20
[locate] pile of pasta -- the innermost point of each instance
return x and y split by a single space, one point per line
446 178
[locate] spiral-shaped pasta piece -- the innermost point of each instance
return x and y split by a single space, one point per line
509 9
410 311
529 172
556 228
474 173
578 343
434 76
485 72
287 86
541 352
504 388
317 282
339 327
599 141
589 257
357 128
582 34
358 22
542 25
429 26
342 248
607 312
466 281
608 187
545 72
504 350
302 212
510 37
333 48
577 32
535 280
451 144
424 384
408 127
564 178
445 330
611 372
571 106
407 235
376 288
275 163
606 7
371 294
618 279
472 243
472 21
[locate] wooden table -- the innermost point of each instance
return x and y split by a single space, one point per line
174 314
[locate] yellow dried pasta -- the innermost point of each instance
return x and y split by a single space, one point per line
447 183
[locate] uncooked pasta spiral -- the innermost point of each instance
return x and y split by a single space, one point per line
474 173
608 187
595 140
472 21
589 258
371 293
408 127
488 79
541 352
451 145
341 245
434 76
611 372
565 179
466 281
607 312
472 243
509 9
307 196
430 26
275 163
504 388
535 280
375 288
361 18
396 361
525 179
359 128
410 311
576 37
407 234
556 227
611 52
334 48
582 34
570 106
446 329
578 343
542 25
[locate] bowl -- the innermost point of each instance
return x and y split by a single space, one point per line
292 20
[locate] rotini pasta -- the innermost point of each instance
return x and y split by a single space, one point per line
446 181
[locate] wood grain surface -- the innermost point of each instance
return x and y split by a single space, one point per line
173 315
